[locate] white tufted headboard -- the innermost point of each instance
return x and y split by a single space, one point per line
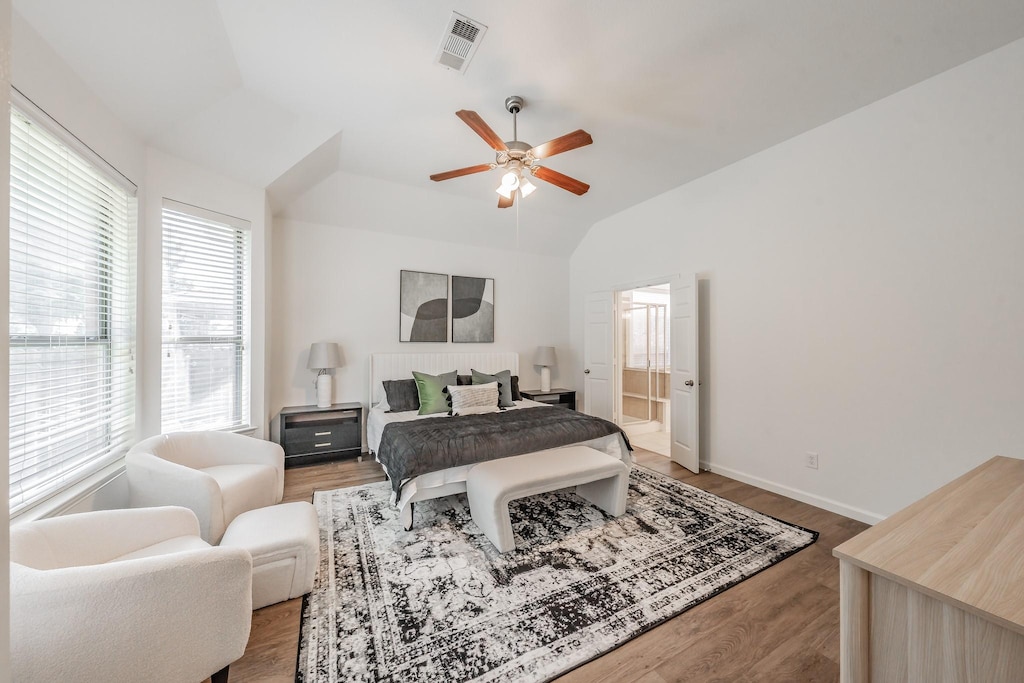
385 366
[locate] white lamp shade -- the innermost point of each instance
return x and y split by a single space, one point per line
526 188
324 355
545 355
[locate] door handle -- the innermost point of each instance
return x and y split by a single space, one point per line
688 382
587 371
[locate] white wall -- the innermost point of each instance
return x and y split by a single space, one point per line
42 76
341 284
864 295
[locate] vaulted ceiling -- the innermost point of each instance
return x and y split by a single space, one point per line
670 90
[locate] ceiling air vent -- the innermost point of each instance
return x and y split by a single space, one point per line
459 42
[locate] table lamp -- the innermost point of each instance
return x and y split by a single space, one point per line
545 358
323 356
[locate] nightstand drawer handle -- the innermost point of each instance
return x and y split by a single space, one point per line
321 445
322 434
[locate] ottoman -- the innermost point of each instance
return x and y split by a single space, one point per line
284 541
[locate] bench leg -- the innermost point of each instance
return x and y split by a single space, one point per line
499 528
608 494
493 519
405 516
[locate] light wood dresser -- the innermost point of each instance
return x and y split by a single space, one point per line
935 593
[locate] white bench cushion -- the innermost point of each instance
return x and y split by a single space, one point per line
598 477
284 541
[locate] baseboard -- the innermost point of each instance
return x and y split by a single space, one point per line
796 494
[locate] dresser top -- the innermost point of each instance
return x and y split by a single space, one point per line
962 544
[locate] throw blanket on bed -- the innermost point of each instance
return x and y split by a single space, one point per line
409 449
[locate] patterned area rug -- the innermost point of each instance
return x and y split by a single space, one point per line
439 603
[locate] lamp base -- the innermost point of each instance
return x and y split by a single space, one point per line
324 390
545 378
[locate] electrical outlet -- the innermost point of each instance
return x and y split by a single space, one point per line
811 460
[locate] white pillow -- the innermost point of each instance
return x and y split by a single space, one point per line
468 396
478 410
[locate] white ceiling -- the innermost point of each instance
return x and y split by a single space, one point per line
670 90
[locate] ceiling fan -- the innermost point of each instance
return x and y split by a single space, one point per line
519 158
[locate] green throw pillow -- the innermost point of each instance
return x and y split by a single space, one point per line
431 391
504 380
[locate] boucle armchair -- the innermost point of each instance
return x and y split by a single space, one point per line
217 475
125 595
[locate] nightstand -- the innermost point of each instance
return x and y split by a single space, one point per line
309 434
556 397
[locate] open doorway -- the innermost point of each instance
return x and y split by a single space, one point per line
643 354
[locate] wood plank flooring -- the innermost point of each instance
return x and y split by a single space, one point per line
780 625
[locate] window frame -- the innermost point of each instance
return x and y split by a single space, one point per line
113 246
242 403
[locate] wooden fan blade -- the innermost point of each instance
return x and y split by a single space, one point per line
479 168
505 203
561 180
473 120
577 138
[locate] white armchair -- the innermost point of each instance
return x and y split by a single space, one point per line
125 595
217 475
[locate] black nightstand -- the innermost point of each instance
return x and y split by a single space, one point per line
309 434
556 397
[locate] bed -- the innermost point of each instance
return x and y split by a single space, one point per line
451 480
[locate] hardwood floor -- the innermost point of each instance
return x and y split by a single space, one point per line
780 625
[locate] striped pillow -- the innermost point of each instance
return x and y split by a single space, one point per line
465 398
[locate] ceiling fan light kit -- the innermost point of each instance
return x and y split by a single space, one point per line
516 157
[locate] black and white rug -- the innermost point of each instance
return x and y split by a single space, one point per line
439 603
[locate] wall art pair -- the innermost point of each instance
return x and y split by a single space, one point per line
424 308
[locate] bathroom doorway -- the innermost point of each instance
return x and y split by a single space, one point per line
643 351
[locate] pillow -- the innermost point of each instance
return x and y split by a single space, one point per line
504 380
479 410
431 391
473 396
465 380
516 396
402 395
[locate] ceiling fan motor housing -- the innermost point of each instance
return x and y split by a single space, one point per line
517 149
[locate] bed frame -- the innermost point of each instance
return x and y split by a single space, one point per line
387 366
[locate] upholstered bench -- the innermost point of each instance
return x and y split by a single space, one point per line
598 477
284 541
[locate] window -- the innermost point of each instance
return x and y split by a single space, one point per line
647 337
647 333
205 364
72 320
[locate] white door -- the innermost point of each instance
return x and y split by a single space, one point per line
597 356
684 382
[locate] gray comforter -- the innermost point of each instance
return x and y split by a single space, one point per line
409 449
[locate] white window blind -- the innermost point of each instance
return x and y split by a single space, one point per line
72 320
205 364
